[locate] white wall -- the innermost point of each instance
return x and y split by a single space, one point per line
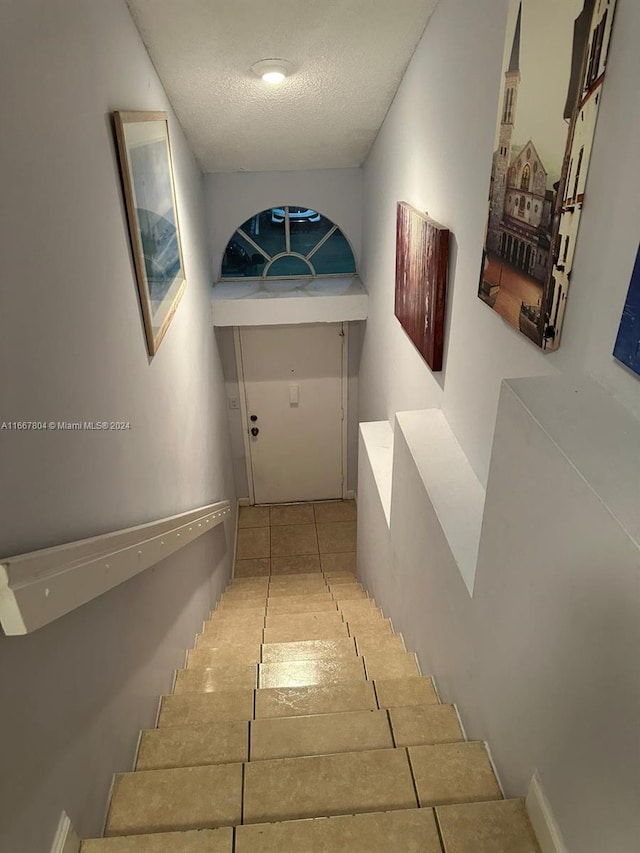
231 199
72 347
541 659
434 151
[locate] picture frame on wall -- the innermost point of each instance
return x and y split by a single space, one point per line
554 64
422 260
627 346
147 176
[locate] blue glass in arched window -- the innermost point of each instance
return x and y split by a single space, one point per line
287 242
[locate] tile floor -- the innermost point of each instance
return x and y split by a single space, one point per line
301 723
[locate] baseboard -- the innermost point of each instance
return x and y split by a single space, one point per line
244 501
66 840
542 820
352 495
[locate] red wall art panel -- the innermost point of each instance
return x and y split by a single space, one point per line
422 258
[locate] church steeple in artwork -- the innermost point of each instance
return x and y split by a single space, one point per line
503 154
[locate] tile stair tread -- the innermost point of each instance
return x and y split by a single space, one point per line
500 826
148 801
322 785
400 831
195 745
488 827
299 673
190 841
320 734
196 708
374 746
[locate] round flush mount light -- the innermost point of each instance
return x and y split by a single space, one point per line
272 71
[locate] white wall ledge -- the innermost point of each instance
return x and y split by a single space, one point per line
377 437
41 586
596 434
454 490
273 302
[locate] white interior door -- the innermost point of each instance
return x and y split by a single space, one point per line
293 379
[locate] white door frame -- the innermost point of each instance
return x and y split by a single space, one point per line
344 384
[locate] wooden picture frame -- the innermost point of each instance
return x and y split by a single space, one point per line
147 178
422 260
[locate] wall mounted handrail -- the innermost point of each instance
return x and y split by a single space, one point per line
41 586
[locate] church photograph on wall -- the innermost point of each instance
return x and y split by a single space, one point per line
554 63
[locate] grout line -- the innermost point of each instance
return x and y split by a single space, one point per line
375 693
249 725
436 818
393 734
413 777
242 792
233 838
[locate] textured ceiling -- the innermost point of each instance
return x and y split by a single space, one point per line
348 58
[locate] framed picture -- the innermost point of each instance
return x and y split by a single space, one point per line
147 177
422 259
554 65
627 348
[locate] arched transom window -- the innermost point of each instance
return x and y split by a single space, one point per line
287 242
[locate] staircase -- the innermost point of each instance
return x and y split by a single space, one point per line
301 724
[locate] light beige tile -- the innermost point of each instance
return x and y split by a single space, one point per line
362 607
329 511
190 841
337 537
191 746
400 831
204 658
308 650
214 636
229 616
253 516
297 605
369 644
297 565
299 589
391 665
306 672
323 734
317 596
259 566
299 579
453 773
294 539
237 594
253 542
297 632
318 699
221 677
368 626
429 724
292 514
289 788
348 593
186 798
253 604
396 692
487 828
303 621
191 709
343 562
249 582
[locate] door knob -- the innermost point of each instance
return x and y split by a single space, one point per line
254 431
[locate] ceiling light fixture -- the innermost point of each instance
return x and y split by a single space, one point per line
272 71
